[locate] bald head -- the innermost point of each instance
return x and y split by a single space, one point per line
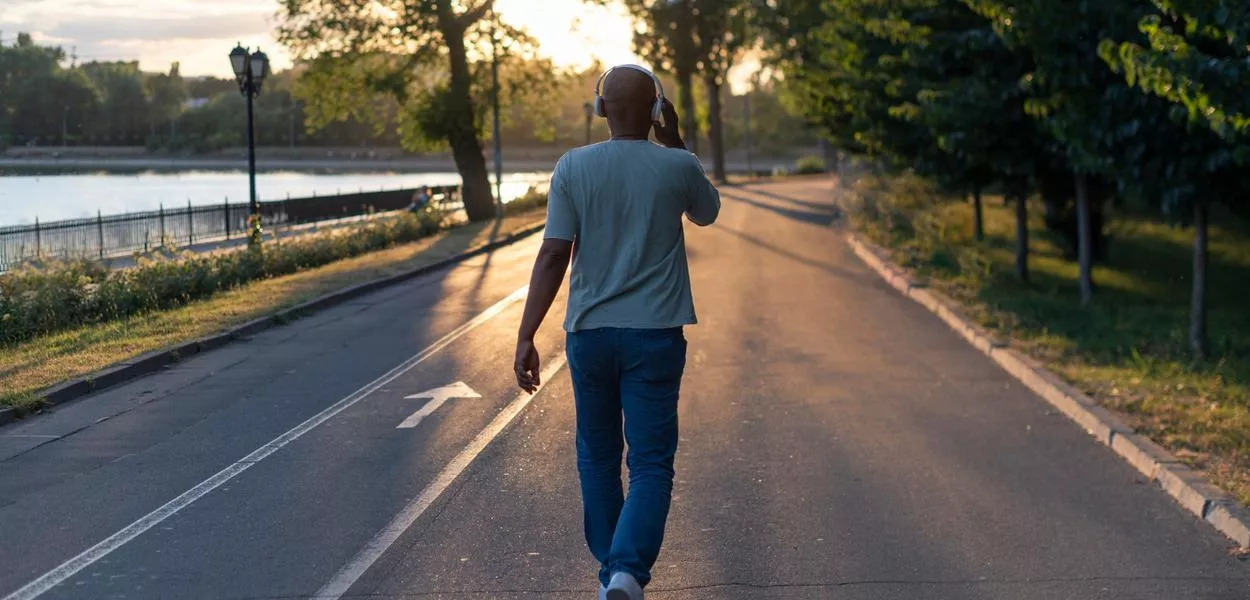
628 95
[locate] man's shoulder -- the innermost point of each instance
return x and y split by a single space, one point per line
583 151
590 155
575 157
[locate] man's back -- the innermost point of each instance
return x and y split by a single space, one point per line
622 203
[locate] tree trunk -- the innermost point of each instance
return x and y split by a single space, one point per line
1020 194
831 155
466 149
715 128
688 117
978 216
1085 240
1198 308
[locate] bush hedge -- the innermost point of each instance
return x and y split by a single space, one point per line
533 199
810 165
45 298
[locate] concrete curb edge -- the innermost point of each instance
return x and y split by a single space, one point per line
1188 487
156 360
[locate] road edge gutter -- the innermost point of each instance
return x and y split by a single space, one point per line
153 361
1188 487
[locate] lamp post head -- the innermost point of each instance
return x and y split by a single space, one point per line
260 70
238 63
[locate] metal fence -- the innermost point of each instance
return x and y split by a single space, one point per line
114 235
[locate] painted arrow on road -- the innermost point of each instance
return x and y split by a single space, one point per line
438 397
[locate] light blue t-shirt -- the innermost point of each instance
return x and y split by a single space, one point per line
621 204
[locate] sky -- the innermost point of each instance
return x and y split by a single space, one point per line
199 34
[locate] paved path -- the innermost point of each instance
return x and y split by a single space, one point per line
838 442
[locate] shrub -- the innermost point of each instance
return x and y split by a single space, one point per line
532 199
810 165
910 213
41 299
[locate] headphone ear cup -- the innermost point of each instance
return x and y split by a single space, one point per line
599 109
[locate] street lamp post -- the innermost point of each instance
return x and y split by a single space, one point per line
250 70
746 112
494 76
589 109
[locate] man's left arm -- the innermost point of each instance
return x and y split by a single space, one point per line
549 268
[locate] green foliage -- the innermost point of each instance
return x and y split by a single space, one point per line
1196 55
29 75
1098 121
911 84
384 70
533 199
810 165
774 131
541 106
417 55
38 300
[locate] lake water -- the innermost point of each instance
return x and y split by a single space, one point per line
52 197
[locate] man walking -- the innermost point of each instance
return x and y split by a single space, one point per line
616 209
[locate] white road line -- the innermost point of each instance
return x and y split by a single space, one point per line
350 573
67 569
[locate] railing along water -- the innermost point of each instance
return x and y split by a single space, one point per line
118 235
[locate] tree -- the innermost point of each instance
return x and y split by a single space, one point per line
1196 55
1193 56
207 87
123 113
390 49
790 38
910 83
965 72
30 75
1088 112
167 93
774 131
720 32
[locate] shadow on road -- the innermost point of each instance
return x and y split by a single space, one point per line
494 236
807 204
811 262
823 218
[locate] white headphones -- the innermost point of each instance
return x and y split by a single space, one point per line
656 111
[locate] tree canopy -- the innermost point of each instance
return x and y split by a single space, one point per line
1082 100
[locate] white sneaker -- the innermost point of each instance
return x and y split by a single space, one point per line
603 592
623 586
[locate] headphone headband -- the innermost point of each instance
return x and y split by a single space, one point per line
659 87
656 111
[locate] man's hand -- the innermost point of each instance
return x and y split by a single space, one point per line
526 366
549 268
668 133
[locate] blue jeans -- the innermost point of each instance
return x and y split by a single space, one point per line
636 372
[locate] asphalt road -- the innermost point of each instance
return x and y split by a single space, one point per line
837 442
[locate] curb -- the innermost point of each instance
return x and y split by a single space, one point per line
1188 487
156 360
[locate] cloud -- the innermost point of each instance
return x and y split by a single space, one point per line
155 32
198 33
97 30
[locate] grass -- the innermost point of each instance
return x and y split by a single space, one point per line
1128 350
27 368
